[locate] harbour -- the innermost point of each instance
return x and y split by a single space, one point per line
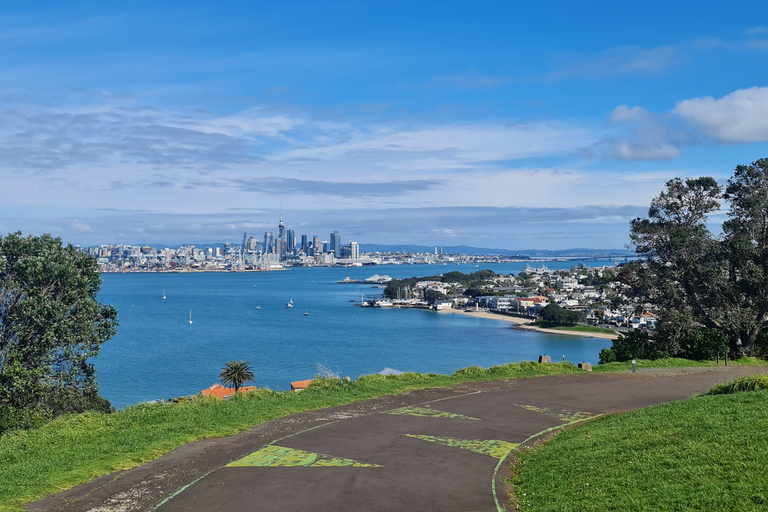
157 354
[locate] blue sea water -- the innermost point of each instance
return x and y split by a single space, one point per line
158 354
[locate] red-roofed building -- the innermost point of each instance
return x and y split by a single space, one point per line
220 391
300 384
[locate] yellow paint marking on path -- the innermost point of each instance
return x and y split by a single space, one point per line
562 415
426 412
492 447
279 457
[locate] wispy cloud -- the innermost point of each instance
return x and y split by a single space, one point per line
620 61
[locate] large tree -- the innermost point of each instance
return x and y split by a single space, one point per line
695 278
50 325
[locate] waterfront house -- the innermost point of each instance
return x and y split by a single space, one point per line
222 392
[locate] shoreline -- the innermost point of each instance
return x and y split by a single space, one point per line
525 324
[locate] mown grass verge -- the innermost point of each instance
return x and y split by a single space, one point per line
674 362
704 453
576 328
75 449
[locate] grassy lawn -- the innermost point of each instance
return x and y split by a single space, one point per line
704 453
576 328
75 449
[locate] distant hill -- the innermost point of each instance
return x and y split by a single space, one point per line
481 251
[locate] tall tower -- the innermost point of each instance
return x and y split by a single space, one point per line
268 242
336 244
354 250
281 229
291 239
304 244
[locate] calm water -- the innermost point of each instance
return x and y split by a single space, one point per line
158 354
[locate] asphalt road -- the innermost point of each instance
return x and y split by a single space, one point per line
431 450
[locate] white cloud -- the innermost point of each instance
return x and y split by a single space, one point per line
755 31
739 117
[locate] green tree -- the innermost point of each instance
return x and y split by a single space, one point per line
50 326
554 314
236 373
693 278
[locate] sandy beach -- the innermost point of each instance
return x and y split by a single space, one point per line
524 323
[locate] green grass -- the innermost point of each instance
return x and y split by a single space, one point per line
750 383
704 453
674 362
576 328
75 449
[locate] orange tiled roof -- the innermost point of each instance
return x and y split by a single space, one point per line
300 384
220 391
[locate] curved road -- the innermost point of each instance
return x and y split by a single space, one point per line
442 449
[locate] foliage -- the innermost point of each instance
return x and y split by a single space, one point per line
749 383
635 344
475 281
704 453
236 373
432 295
692 277
554 314
50 325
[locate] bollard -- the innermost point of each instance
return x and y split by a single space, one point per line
633 366
563 358
545 359
726 359
587 367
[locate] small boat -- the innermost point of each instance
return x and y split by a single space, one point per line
258 307
163 294
289 305
190 316
306 313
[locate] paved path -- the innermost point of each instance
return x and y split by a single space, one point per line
443 450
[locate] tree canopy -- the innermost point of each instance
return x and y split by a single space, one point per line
50 325
236 373
694 278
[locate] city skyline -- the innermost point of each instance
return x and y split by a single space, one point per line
495 125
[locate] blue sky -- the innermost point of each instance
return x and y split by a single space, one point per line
493 124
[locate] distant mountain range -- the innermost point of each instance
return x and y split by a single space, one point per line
481 251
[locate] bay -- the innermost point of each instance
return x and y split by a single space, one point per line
157 353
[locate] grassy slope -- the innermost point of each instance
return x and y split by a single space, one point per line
76 449
704 453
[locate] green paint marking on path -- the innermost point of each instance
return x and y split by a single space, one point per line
279 457
494 448
562 415
426 412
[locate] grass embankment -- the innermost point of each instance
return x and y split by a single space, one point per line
73 450
575 328
704 453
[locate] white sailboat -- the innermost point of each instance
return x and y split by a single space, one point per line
290 303
258 307
190 316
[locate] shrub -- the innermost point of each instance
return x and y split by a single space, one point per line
751 383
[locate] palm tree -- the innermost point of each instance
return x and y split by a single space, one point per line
236 373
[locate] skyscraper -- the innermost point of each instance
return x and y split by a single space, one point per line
268 242
354 250
304 244
291 241
317 245
336 243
